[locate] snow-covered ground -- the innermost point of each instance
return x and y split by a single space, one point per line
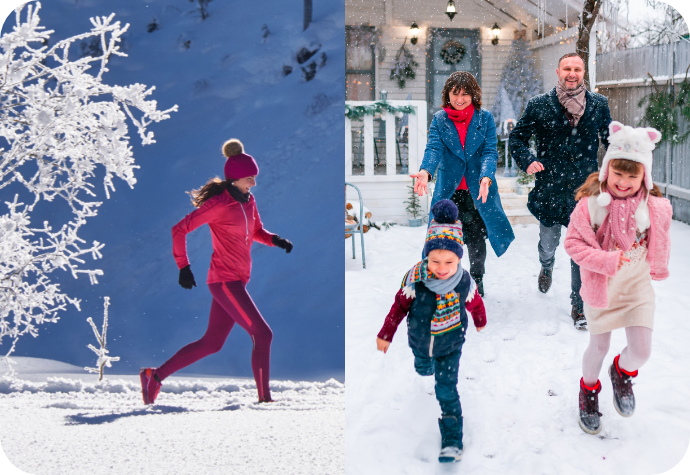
56 420
518 378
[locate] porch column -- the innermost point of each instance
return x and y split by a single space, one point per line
368 131
413 141
348 146
391 148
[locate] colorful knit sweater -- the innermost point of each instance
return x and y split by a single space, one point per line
403 303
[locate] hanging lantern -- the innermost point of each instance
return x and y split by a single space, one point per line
414 33
450 10
495 31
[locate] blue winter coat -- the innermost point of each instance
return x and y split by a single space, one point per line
477 160
569 154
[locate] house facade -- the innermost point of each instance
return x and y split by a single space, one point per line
384 34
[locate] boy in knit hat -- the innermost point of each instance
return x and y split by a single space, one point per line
434 296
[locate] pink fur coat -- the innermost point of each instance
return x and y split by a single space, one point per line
597 265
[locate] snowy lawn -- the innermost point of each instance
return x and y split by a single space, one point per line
518 378
70 424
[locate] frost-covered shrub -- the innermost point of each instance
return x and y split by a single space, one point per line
58 125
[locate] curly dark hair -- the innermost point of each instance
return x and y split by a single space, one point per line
462 80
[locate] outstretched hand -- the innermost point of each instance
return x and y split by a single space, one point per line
420 182
187 278
282 243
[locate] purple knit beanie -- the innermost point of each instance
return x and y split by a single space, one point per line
240 166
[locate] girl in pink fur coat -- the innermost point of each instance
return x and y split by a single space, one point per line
619 236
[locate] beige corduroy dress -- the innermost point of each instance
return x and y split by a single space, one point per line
630 294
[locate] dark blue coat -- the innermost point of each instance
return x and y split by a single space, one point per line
419 321
569 154
474 162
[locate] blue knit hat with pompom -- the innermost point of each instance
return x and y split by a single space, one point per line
445 231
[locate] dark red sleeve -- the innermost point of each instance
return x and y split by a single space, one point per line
398 311
475 305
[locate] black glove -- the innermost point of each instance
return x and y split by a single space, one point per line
187 278
282 243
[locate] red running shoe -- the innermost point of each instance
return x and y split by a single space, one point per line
150 385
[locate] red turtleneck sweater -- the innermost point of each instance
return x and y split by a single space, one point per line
461 119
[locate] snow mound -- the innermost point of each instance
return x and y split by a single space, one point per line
9 384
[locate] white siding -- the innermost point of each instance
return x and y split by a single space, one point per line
548 51
385 199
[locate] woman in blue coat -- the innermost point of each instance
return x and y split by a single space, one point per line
462 147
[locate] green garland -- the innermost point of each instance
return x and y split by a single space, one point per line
665 105
358 112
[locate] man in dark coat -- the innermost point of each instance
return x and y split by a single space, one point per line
567 123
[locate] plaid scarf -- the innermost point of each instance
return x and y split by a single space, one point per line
573 100
447 316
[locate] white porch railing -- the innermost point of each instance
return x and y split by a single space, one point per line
417 132
384 189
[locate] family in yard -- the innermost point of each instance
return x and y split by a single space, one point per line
617 234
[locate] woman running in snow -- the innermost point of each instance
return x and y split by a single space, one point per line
434 296
619 236
229 209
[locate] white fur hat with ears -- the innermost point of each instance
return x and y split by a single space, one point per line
635 144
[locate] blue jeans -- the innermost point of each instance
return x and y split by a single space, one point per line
549 238
446 370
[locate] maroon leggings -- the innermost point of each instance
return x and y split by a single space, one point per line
231 304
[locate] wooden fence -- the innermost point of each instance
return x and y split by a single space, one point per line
623 77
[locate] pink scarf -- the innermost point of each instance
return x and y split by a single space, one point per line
620 226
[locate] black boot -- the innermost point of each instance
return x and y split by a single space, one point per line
623 397
578 315
589 408
451 438
479 280
544 279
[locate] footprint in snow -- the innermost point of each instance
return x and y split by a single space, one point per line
536 439
551 326
509 333
487 351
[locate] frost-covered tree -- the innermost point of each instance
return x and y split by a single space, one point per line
503 109
665 27
520 81
58 125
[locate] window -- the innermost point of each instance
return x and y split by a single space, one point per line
359 64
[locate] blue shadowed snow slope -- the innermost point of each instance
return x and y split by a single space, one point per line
228 83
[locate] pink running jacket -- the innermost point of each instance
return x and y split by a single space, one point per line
234 227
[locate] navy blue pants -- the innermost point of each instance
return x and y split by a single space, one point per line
445 368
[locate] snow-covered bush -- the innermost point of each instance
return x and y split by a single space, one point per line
102 352
58 125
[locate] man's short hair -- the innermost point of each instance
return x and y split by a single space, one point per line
569 55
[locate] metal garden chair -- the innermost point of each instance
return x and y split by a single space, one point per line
354 228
